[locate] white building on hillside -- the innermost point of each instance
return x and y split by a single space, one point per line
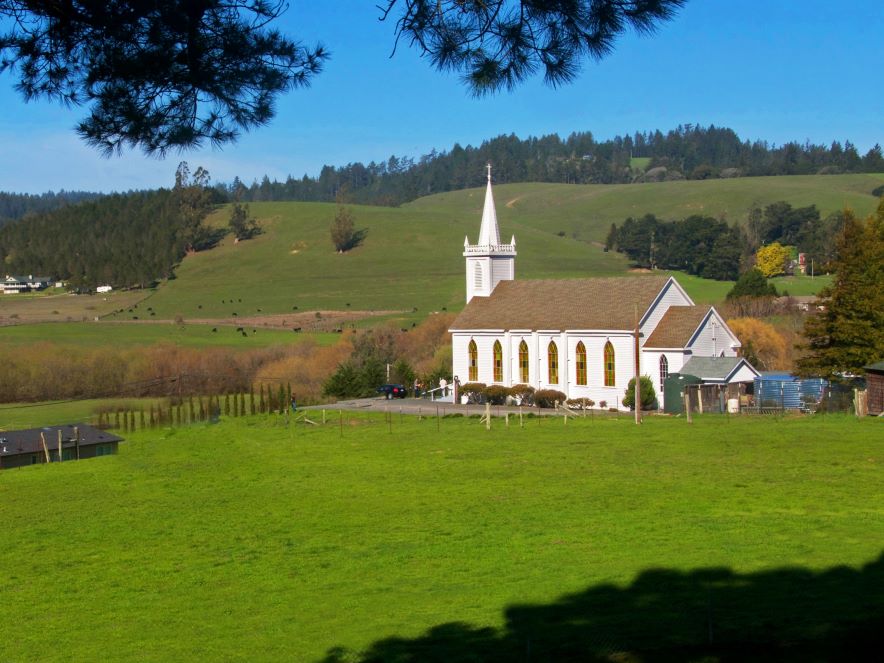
576 336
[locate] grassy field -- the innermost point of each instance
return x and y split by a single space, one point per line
119 335
362 540
54 307
412 259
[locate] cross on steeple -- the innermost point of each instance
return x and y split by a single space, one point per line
489 172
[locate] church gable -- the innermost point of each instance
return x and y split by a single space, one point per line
713 338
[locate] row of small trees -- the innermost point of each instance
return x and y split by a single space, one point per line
266 400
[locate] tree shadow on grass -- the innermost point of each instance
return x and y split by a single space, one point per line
715 614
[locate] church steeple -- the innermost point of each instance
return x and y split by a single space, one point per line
489 233
488 261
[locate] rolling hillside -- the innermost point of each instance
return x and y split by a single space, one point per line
412 255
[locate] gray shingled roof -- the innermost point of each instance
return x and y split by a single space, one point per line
712 368
599 303
15 442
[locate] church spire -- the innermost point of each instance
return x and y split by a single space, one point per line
488 261
489 233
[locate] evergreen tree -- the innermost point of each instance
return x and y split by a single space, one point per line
752 284
849 333
646 392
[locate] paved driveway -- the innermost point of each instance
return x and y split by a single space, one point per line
425 407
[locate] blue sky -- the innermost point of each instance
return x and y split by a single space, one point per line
777 71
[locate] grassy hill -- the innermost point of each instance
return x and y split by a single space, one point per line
412 255
249 540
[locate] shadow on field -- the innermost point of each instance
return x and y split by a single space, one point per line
708 614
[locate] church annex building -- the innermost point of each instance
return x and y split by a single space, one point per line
577 336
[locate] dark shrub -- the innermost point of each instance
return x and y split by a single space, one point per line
523 393
496 394
548 397
580 403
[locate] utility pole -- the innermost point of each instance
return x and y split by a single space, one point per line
637 390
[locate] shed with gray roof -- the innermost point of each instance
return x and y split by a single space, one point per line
33 446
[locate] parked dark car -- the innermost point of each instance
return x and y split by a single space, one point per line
393 391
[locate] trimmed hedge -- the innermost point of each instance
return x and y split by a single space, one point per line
523 394
547 397
496 394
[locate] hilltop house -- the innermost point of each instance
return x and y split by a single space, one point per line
578 336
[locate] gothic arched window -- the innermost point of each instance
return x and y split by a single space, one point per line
474 361
580 363
523 362
664 370
609 364
498 362
552 355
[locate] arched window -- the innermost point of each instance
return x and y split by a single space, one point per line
552 354
609 364
523 362
498 362
581 363
474 361
477 276
664 370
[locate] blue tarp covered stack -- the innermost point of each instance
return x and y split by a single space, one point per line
782 390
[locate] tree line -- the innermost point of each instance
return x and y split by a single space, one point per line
686 152
124 240
713 249
17 205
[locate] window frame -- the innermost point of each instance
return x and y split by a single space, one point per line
473 361
524 363
497 361
610 365
580 364
552 362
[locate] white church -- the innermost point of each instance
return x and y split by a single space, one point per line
577 336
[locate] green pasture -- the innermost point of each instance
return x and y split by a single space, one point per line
52 306
436 540
124 335
411 258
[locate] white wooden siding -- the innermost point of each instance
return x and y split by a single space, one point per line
672 296
703 345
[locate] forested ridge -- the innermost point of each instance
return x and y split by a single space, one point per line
687 152
124 239
16 205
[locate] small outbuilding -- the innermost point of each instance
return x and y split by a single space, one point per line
875 387
713 384
52 444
